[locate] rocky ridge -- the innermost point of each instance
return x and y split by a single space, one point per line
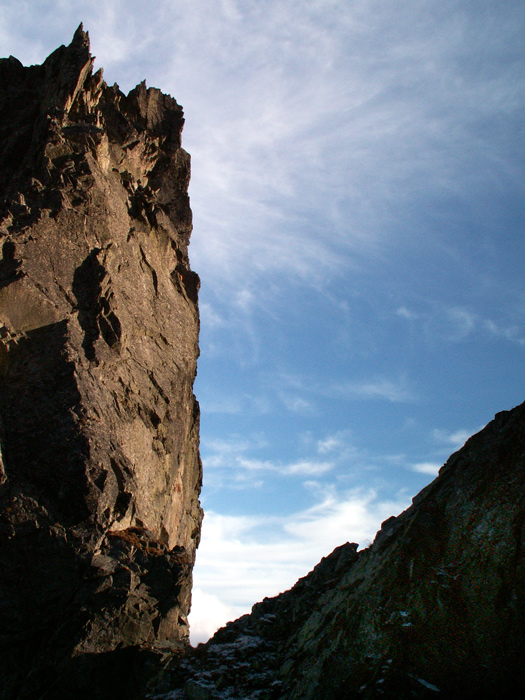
434 608
99 428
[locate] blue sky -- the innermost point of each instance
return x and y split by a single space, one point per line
358 199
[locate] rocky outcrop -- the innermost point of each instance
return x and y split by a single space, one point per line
99 464
434 608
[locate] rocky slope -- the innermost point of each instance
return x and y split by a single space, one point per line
99 464
434 608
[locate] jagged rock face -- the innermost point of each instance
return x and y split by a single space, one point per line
99 464
434 608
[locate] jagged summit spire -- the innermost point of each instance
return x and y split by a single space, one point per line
66 70
81 36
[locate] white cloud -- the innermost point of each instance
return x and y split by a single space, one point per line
234 403
310 468
463 322
297 404
254 464
332 443
356 513
243 559
393 389
456 438
323 110
427 468
244 300
512 333
210 317
403 312
343 451
208 614
300 468
232 446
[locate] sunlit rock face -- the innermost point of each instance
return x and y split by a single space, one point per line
99 463
435 608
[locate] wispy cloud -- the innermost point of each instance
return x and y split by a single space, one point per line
456 324
236 461
276 129
512 332
462 321
311 139
357 513
298 404
308 468
396 389
210 317
242 463
333 443
384 389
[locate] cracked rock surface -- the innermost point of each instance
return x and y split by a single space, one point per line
99 462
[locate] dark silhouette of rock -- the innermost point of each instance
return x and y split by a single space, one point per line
434 608
99 464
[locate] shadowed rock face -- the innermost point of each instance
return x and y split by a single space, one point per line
99 464
435 608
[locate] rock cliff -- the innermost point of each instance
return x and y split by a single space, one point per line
434 608
99 464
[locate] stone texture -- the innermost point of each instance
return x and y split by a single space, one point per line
435 607
99 464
